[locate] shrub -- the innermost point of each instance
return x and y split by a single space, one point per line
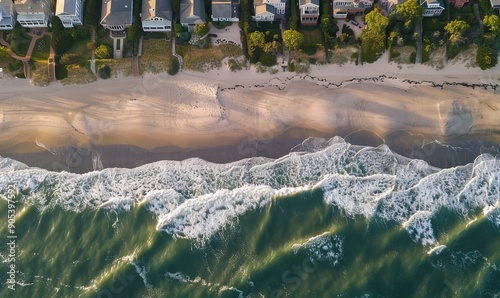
185 36
312 60
310 49
267 59
201 29
485 57
413 57
15 65
291 66
69 58
174 66
233 64
103 51
178 29
104 72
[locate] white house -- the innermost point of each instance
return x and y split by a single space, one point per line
432 8
495 4
70 12
7 15
156 15
192 13
264 12
116 15
34 13
341 8
225 10
280 5
309 12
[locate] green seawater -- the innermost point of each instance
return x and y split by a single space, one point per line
119 253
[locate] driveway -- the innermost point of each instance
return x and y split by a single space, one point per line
357 29
229 34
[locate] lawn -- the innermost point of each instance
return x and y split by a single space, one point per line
312 37
156 55
20 42
205 59
80 47
42 49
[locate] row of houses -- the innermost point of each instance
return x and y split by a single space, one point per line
156 15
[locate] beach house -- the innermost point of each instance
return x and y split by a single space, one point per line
192 13
156 15
263 12
70 12
309 12
7 15
341 8
34 13
495 4
279 5
432 8
225 10
116 15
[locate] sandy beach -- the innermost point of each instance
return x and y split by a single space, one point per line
219 108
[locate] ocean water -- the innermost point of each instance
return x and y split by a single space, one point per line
330 219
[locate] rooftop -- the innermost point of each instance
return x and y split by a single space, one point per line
116 12
65 7
156 8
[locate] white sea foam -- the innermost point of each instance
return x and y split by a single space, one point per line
325 247
419 227
141 270
194 199
183 278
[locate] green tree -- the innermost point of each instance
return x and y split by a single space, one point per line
376 21
61 38
373 45
410 11
257 39
201 29
103 51
493 23
178 29
456 28
176 8
134 32
92 12
485 57
293 39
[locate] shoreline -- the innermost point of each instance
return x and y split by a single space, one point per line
82 160
220 110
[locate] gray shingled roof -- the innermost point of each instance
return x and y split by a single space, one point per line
302 2
116 12
30 6
225 9
192 10
5 6
66 7
156 8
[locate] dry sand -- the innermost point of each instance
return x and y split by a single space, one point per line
202 110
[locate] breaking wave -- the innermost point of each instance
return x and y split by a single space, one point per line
194 199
